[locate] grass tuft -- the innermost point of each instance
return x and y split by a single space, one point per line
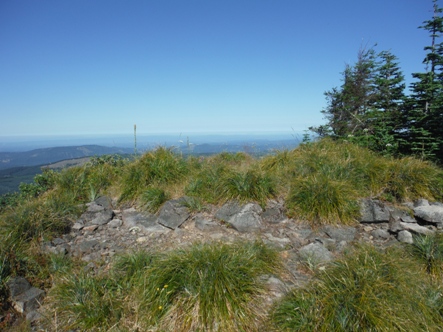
367 290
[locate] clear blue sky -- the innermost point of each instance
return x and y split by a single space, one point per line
89 67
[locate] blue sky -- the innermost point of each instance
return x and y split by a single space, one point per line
188 66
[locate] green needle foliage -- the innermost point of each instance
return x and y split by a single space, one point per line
367 290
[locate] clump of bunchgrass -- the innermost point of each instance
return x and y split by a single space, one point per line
323 200
411 178
84 301
153 198
159 167
247 186
367 290
428 249
207 287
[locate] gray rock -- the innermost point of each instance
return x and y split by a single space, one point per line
340 233
102 218
416 228
17 286
105 202
227 211
380 234
277 242
173 213
405 237
373 211
115 223
315 253
430 213
274 213
28 300
402 215
245 219
137 221
86 247
421 202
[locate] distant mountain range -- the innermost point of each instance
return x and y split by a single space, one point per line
50 155
18 167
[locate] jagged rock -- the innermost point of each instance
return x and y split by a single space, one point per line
102 218
28 300
416 228
137 221
99 212
24 297
340 233
373 211
245 218
17 286
173 213
316 253
380 234
405 237
227 211
401 215
432 213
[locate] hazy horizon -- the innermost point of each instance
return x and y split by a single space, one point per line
20 143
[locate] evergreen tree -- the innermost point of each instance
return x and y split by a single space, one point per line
423 116
366 108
